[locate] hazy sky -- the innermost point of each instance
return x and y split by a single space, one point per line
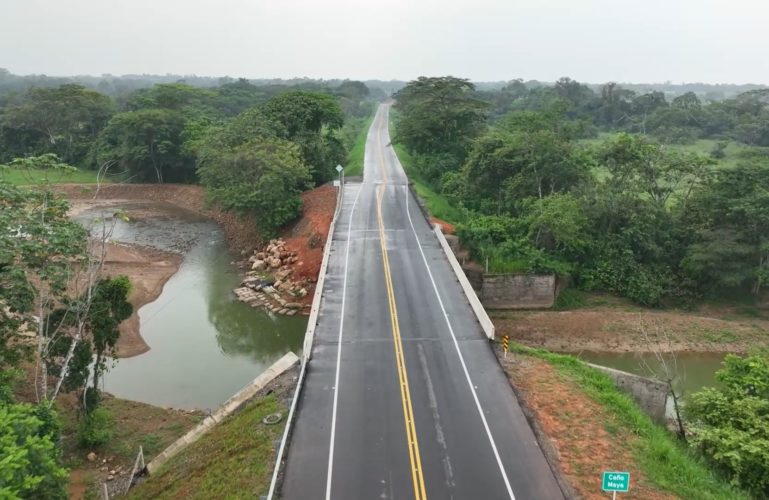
588 40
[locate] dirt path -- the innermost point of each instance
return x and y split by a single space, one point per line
583 434
611 330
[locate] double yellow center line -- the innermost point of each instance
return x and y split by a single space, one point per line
408 411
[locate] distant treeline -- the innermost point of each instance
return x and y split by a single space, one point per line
117 86
254 147
682 118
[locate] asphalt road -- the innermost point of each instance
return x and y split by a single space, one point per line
403 396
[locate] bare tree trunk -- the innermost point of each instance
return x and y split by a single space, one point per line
94 267
669 373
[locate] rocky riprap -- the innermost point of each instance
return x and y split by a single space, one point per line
268 283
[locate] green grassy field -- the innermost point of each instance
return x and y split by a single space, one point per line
437 205
354 164
664 461
39 177
233 460
732 153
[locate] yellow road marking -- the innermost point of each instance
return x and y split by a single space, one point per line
408 411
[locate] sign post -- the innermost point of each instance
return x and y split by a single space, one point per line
615 481
506 344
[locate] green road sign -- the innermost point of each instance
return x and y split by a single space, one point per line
616 481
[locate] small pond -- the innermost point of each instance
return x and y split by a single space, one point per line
204 344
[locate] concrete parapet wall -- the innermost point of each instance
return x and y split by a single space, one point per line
650 394
312 321
472 298
518 291
230 406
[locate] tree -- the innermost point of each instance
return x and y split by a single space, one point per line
660 173
439 115
37 256
65 120
310 119
730 423
264 176
49 269
29 457
526 157
731 215
148 144
109 308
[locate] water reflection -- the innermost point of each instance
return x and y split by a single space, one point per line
693 370
205 345
235 323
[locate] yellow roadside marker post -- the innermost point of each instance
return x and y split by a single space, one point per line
506 344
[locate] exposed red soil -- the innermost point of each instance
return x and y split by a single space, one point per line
307 236
447 227
578 429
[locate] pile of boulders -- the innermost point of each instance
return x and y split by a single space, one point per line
274 256
269 281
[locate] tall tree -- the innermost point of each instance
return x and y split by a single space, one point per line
439 115
148 144
310 120
64 120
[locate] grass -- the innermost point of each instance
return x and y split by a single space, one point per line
234 460
663 460
436 203
136 424
732 151
356 155
38 177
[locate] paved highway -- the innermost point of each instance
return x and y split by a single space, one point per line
403 396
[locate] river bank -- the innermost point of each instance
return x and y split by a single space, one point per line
149 266
634 330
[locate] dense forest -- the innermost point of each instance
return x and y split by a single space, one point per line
604 188
255 147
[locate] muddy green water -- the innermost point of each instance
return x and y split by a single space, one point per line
204 344
694 370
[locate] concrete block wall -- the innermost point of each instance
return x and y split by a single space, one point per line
650 394
518 291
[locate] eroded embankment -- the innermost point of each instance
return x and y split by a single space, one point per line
150 268
241 231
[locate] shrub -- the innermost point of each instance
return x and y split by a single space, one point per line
730 423
96 428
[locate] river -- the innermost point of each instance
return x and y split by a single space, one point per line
693 371
204 344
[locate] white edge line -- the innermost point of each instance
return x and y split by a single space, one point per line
459 353
289 420
339 350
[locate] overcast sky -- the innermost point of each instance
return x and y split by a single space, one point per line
589 40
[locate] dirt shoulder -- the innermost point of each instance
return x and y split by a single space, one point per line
612 330
583 435
586 426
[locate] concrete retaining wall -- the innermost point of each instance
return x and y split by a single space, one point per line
472 298
312 321
518 291
231 405
650 394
